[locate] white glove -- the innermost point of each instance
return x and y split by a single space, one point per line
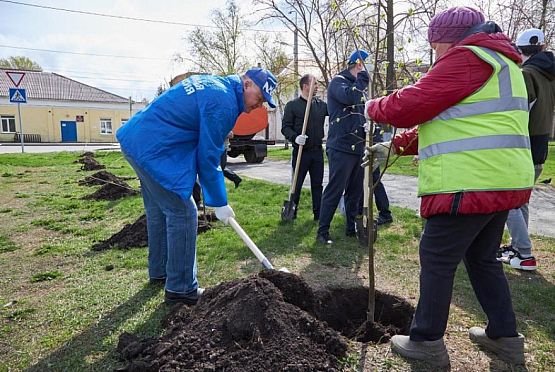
223 213
301 139
380 150
366 105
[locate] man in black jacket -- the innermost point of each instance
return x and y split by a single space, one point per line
312 158
345 145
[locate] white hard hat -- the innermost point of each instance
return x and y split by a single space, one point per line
532 36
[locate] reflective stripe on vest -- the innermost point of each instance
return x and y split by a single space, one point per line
482 142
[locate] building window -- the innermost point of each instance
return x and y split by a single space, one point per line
8 124
105 126
123 122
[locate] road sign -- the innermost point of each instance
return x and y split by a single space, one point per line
18 95
15 77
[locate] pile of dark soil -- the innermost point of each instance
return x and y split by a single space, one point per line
89 162
100 178
242 325
271 321
135 234
112 191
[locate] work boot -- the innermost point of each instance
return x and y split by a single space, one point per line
510 349
433 352
172 298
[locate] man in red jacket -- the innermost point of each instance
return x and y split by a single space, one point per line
474 166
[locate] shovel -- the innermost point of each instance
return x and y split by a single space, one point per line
289 210
248 241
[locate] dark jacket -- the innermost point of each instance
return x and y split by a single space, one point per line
346 109
293 118
539 75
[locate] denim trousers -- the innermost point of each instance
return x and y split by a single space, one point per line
517 223
172 234
446 241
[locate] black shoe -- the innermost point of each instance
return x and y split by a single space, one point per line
157 281
324 238
384 221
173 298
237 180
350 233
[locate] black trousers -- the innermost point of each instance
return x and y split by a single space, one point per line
446 241
345 175
228 173
312 162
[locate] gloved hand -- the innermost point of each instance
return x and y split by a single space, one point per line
366 105
301 139
380 151
361 83
223 213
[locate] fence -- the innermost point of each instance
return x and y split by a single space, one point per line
35 138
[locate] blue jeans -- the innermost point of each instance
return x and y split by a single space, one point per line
172 234
517 223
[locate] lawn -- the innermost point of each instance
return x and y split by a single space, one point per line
63 306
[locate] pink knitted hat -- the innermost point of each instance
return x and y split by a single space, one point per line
450 25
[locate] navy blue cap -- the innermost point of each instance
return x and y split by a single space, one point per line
357 56
266 81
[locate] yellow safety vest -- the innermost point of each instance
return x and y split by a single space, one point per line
481 143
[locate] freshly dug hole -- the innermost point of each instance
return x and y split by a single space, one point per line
271 321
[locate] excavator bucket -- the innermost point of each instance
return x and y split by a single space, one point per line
289 211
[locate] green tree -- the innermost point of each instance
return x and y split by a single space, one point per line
20 63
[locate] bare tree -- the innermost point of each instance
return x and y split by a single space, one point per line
219 51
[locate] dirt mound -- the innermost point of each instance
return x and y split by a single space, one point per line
89 162
135 234
112 191
100 178
242 325
271 321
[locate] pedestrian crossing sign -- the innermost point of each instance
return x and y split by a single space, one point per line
18 95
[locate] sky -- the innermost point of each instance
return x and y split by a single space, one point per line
102 42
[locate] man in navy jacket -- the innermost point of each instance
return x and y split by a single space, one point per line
345 144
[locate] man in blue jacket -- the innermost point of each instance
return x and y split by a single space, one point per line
176 138
345 144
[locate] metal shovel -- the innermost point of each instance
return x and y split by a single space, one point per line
289 210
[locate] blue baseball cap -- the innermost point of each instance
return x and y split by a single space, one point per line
356 56
265 80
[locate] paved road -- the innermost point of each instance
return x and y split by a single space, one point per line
401 190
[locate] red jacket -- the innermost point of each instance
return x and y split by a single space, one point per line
455 76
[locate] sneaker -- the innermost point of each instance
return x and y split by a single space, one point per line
324 238
384 221
433 352
505 253
523 263
172 298
510 349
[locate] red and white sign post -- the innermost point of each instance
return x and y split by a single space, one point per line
16 77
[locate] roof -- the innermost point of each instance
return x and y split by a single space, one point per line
52 86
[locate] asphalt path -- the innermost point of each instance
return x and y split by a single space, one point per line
402 190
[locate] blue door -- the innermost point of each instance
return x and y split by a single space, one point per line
69 131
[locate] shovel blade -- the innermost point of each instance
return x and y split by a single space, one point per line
361 230
288 211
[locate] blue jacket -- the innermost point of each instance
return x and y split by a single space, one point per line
346 110
181 135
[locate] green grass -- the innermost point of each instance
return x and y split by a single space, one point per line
63 306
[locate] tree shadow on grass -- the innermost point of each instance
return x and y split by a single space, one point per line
73 355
